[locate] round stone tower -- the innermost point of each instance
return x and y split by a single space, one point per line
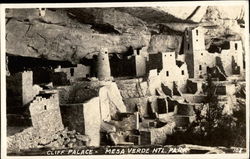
103 70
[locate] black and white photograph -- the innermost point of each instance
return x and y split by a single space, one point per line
115 79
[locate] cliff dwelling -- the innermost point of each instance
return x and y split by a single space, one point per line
135 77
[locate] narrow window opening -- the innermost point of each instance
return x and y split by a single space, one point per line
200 67
201 54
45 107
72 71
235 46
167 73
197 32
138 52
188 46
182 72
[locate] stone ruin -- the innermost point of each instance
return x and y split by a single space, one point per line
230 61
87 113
21 88
45 113
47 127
71 74
117 111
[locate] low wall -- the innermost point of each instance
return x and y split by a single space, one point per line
192 98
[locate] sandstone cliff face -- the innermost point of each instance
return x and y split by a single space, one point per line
223 24
57 36
71 34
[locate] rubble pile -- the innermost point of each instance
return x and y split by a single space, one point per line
29 139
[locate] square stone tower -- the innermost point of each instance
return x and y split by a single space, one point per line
194 50
45 113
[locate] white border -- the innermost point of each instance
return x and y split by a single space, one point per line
133 4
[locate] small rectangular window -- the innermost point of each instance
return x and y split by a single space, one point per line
200 67
138 51
167 74
188 46
72 71
235 46
201 54
197 32
182 72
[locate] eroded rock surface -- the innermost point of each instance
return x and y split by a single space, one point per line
71 34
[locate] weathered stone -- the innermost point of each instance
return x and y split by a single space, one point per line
193 98
72 132
185 109
21 89
132 88
235 68
135 139
126 143
66 140
172 104
162 105
223 58
163 43
30 138
103 66
131 122
105 104
152 124
167 117
109 95
167 91
114 138
225 88
92 121
85 139
22 140
67 39
191 87
45 114
216 72
118 138
176 90
115 98
145 137
137 104
84 118
241 90
154 81
108 128
155 115
182 121
159 92
65 76
157 135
